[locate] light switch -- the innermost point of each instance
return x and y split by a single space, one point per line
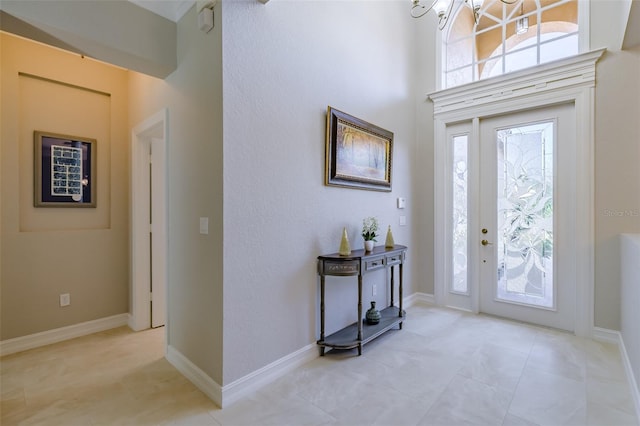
204 225
401 202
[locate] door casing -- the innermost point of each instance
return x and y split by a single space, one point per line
152 131
571 80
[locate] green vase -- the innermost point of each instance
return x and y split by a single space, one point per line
373 315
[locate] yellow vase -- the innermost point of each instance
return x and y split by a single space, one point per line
389 242
345 248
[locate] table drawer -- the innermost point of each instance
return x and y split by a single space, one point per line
351 267
373 264
395 259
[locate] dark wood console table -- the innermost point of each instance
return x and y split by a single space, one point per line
358 263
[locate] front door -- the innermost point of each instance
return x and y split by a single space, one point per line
511 232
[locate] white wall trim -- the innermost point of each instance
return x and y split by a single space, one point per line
635 391
463 102
419 298
224 396
56 335
612 336
192 372
252 381
605 335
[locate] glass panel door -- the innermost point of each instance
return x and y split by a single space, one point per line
525 214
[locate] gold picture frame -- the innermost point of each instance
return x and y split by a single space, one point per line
358 154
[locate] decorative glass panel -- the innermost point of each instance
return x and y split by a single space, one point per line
525 214
459 217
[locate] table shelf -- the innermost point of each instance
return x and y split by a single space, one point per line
347 338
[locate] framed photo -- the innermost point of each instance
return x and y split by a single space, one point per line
64 170
358 154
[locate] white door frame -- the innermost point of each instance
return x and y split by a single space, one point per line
570 80
561 314
153 130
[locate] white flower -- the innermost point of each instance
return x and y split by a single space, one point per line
369 228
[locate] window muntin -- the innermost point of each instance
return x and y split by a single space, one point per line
492 47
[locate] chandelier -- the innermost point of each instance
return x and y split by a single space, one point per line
443 9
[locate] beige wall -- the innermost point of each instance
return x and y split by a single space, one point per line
617 174
49 251
617 151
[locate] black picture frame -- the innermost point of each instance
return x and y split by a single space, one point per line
64 170
358 154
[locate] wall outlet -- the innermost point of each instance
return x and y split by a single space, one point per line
65 299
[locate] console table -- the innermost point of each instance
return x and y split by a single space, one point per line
359 263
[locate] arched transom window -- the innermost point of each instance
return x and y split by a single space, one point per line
507 37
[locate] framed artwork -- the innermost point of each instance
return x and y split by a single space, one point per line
64 170
358 154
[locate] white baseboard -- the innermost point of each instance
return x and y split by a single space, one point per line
192 372
234 391
249 383
419 299
56 335
238 389
613 336
606 335
635 391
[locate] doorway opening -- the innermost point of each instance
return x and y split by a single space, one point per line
149 222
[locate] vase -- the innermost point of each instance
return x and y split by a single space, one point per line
389 243
345 248
373 315
368 245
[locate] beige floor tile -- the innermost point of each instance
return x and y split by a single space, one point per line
444 368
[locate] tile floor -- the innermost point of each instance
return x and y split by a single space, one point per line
444 368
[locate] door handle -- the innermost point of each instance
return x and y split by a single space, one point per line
485 243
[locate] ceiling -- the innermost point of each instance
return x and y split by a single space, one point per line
170 9
175 9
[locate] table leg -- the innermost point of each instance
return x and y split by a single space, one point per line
360 313
392 284
400 294
322 313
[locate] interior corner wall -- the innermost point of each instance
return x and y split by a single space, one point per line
48 251
617 175
284 63
617 150
193 96
425 53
